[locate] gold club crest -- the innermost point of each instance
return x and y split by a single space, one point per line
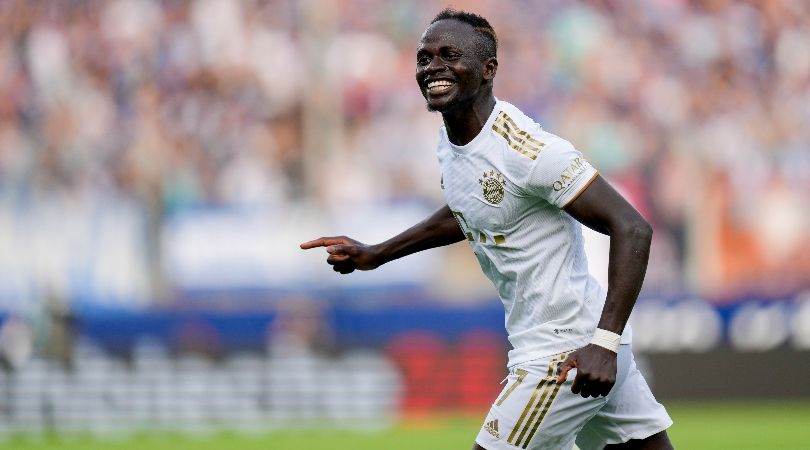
493 184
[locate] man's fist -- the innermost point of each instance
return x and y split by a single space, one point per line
596 370
345 254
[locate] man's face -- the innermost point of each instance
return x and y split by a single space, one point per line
448 69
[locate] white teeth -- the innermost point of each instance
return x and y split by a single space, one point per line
439 86
438 83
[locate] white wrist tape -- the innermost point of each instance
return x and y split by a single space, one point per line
606 339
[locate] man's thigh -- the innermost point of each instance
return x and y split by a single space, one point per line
631 415
658 441
534 412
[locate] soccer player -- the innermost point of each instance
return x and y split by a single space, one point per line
518 195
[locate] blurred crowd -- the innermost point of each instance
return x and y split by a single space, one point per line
696 110
102 393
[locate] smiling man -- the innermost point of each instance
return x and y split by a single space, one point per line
518 195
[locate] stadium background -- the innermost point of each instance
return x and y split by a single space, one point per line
160 161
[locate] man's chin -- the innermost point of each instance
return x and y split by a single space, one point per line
438 107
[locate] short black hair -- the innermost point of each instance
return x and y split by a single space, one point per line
489 41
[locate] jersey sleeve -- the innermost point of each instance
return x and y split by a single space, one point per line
560 174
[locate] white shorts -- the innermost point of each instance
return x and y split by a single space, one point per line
534 412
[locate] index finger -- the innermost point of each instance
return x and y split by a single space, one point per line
567 365
321 242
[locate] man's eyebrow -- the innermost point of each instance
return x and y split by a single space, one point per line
444 46
448 47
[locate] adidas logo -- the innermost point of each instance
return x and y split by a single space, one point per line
492 428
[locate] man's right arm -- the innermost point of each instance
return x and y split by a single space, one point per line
346 254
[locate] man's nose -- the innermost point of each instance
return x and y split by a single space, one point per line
435 65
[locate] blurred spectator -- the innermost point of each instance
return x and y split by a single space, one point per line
697 110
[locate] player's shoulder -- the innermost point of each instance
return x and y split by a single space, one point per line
526 143
517 128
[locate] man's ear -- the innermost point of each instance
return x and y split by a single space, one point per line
490 68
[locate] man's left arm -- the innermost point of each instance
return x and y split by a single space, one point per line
602 209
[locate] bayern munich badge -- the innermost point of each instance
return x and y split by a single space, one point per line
493 184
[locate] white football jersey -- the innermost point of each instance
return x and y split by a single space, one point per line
507 188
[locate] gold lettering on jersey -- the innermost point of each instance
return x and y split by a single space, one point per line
482 237
462 223
499 239
570 174
521 376
493 183
517 139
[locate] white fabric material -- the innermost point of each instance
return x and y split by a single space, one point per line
506 188
538 414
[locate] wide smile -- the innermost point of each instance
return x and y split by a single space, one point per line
439 87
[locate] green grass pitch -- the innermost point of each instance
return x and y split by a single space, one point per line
698 425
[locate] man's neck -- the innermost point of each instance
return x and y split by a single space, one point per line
464 122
